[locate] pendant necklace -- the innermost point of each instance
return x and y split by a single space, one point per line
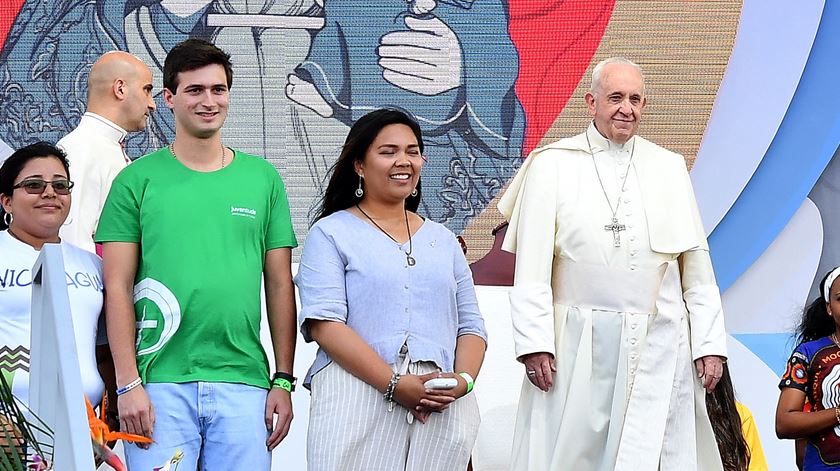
172 150
614 226
408 258
834 339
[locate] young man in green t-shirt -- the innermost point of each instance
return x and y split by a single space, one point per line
189 231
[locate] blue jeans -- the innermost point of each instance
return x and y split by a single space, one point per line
220 426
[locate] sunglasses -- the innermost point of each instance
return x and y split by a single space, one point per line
37 186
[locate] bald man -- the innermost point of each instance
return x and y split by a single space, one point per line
119 101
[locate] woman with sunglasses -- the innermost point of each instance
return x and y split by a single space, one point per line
35 190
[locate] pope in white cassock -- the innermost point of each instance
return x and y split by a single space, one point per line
616 312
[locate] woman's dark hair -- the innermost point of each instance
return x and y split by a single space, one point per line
816 323
190 55
726 424
344 180
14 164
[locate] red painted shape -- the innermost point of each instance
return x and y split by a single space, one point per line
9 10
556 40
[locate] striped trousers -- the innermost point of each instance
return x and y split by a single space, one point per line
350 428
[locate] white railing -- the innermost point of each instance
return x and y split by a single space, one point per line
55 381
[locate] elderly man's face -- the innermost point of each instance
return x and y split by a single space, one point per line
617 103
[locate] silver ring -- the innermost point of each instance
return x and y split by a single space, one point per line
531 372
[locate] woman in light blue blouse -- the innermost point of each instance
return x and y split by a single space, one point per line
389 298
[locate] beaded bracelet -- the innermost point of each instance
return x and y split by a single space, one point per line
128 387
837 414
389 391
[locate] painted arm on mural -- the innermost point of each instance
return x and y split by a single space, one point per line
425 60
435 66
50 49
430 60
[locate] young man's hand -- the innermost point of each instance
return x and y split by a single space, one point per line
278 403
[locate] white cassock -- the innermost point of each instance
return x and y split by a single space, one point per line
624 323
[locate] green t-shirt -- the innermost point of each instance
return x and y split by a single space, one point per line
203 238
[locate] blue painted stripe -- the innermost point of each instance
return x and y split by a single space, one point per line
805 142
778 56
773 349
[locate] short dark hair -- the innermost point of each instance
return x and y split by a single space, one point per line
344 179
190 55
13 165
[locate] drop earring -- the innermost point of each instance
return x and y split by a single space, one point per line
360 191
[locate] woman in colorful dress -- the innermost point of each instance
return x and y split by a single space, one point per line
813 374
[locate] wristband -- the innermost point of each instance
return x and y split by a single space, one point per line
283 381
128 387
469 380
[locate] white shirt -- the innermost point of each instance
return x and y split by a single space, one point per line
96 156
84 286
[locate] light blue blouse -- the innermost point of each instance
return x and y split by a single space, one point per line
352 272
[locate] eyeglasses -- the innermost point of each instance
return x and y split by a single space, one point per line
37 186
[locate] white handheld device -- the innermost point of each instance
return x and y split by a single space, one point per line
441 383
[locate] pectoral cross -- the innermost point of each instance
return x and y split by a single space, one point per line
615 227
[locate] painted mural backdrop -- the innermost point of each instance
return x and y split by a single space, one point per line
467 70
741 88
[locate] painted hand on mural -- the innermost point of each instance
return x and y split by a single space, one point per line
305 94
421 7
425 60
